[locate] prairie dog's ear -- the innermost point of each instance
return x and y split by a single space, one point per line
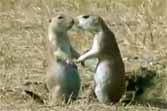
50 20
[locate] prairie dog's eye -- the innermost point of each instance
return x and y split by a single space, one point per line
60 17
85 16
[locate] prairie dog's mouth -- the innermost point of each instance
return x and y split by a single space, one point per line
81 21
71 24
76 25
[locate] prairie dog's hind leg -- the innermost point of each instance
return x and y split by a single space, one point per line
56 95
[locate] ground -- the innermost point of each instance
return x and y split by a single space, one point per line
140 28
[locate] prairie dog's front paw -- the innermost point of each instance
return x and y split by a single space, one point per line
80 59
68 61
76 61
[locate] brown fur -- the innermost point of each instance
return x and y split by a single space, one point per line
110 71
63 81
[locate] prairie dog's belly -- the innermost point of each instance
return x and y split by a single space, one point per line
103 81
109 71
66 48
63 81
63 51
65 75
109 82
103 71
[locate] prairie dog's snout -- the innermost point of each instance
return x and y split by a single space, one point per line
61 23
88 22
82 20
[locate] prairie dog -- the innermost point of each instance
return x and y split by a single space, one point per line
110 72
58 41
63 80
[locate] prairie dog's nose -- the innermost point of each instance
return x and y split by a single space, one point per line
85 16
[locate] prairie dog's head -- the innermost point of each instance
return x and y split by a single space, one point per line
89 22
61 23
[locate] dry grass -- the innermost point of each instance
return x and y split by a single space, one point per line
139 25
